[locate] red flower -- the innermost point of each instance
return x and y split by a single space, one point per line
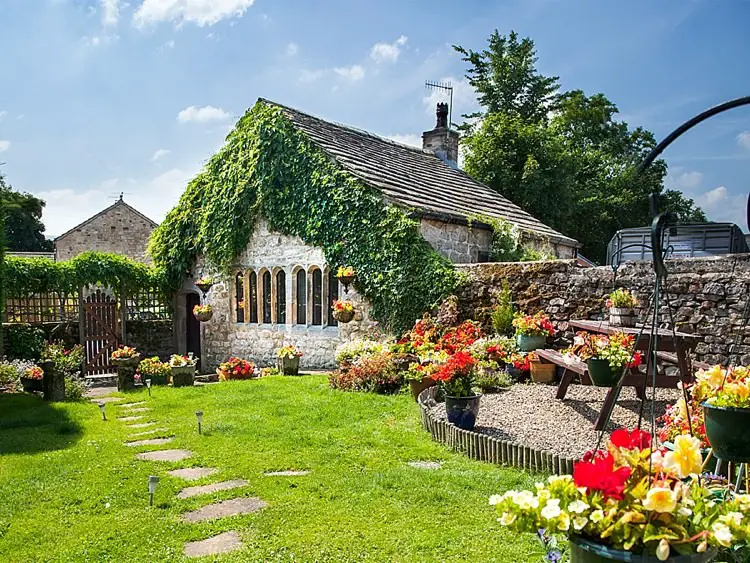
597 472
459 364
635 440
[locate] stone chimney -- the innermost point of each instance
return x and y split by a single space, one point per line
442 140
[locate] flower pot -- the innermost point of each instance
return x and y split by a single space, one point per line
204 287
417 386
343 316
204 316
462 411
514 372
530 342
32 385
345 281
126 372
289 366
622 316
602 374
155 379
183 376
543 373
726 430
587 551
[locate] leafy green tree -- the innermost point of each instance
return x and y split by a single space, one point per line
23 220
564 158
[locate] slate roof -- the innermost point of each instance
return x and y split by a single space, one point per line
412 177
119 202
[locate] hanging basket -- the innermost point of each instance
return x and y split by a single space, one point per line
622 316
586 551
462 411
204 287
602 374
204 316
343 316
530 342
726 430
346 281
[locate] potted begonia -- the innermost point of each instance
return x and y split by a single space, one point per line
203 312
155 370
606 356
456 378
532 331
631 503
686 418
183 369
724 394
346 275
343 311
622 304
236 368
288 360
32 379
126 358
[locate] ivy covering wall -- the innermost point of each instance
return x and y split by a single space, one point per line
269 168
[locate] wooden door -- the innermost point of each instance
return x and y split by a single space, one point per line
193 326
100 321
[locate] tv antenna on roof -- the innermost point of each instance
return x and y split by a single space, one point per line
119 197
443 87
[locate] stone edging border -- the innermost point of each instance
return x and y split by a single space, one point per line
483 447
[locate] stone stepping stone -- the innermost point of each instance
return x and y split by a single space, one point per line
165 455
231 507
430 465
139 409
150 442
286 473
107 399
129 418
131 405
223 543
147 432
192 473
188 492
140 424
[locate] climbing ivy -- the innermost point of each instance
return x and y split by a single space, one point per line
507 243
267 167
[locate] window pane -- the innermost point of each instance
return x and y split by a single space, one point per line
239 284
317 295
253 297
266 297
333 294
281 297
301 297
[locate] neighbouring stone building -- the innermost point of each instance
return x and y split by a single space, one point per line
281 289
120 229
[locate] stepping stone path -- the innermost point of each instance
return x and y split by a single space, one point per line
140 424
223 543
151 442
107 400
147 432
431 465
231 507
131 405
164 455
129 418
139 409
212 488
285 473
193 473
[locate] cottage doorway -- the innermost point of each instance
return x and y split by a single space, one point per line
192 326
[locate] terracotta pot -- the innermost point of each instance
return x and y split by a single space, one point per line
542 373
622 316
417 386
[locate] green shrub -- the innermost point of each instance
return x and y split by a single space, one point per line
502 314
350 352
376 374
75 388
68 361
23 342
490 377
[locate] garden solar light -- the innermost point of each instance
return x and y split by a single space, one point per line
101 408
199 414
148 386
153 480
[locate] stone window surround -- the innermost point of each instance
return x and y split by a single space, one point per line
291 297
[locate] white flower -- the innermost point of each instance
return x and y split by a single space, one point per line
495 499
597 516
525 500
684 511
106 505
722 533
579 523
551 510
507 519
662 551
577 507
734 518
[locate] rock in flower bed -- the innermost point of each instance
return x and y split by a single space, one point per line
531 415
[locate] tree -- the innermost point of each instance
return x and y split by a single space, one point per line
564 158
23 220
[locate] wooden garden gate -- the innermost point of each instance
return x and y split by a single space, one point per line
99 332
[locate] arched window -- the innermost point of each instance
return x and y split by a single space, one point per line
333 295
317 297
253 297
239 304
301 297
266 297
281 297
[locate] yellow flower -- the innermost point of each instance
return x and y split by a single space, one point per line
686 457
660 499
564 523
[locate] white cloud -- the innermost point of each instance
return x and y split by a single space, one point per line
202 114
292 49
100 40
720 205
160 153
685 181
308 76
353 72
167 45
66 208
110 12
200 12
388 52
4 145
3 114
411 139
743 140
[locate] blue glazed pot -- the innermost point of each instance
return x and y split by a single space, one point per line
586 551
529 343
726 430
462 411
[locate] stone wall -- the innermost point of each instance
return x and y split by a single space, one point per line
119 229
708 295
459 243
222 336
151 338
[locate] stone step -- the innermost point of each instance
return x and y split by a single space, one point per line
107 399
147 432
164 455
231 507
101 379
193 473
148 442
129 418
131 405
136 410
223 543
207 377
188 492
140 424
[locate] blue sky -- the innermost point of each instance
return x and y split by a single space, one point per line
103 96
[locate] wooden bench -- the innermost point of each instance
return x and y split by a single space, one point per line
671 358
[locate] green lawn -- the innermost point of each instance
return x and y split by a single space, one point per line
71 491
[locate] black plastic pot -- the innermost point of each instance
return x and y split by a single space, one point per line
31 385
726 430
602 374
462 411
586 551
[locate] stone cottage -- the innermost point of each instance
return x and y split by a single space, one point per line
120 229
280 288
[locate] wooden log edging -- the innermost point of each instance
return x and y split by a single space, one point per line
484 447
